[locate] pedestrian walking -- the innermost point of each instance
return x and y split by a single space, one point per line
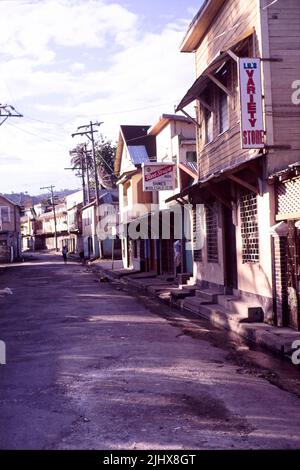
64 253
81 256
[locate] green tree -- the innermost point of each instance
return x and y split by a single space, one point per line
105 158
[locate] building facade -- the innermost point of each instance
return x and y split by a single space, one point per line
175 143
135 147
238 187
10 230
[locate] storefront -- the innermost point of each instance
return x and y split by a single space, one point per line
286 247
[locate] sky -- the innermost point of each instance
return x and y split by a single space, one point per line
66 62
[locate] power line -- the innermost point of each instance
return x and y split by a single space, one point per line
105 113
36 135
8 111
138 109
89 132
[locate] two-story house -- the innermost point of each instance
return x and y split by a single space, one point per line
10 230
97 224
175 143
247 55
74 204
53 226
135 147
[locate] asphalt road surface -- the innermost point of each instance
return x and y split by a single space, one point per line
91 366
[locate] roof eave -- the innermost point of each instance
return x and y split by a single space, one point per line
199 24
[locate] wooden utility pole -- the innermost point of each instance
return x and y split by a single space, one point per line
8 111
89 132
50 188
87 173
79 151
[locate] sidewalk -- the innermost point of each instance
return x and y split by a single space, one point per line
276 340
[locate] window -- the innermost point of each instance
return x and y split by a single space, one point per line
191 157
208 116
211 217
126 187
4 214
249 228
223 111
197 234
223 76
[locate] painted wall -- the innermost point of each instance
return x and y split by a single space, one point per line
170 149
206 271
256 278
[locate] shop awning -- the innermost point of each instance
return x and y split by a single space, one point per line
217 177
202 81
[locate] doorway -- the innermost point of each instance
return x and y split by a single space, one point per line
230 259
293 277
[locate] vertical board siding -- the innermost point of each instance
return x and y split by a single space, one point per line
284 39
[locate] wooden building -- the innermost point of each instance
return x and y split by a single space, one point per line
10 230
238 187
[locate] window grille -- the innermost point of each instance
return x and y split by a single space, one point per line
211 217
196 230
288 196
249 228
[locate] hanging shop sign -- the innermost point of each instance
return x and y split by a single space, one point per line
158 176
252 128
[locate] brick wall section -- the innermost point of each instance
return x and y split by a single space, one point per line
280 279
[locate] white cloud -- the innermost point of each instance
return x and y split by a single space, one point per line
66 62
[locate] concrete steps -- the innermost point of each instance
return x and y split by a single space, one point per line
221 308
208 295
183 278
194 303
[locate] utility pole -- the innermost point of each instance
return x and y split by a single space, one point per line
87 174
50 188
78 151
89 132
7 111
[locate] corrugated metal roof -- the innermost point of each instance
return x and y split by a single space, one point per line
138 154
193 166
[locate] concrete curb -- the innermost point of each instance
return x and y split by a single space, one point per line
275 340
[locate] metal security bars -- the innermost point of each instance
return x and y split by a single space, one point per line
211 216
249 228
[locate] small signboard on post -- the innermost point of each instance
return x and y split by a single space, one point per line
252 127
158 176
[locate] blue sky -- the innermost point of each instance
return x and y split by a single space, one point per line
66 62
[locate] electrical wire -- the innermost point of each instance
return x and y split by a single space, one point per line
35 135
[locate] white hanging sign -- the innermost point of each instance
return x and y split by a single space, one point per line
158 176
252 128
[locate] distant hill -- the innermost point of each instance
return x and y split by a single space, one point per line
28 200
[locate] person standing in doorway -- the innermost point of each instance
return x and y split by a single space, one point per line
64 253
177 257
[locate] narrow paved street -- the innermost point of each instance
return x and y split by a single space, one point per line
90 367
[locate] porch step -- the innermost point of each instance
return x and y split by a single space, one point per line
182 292
219 316
208 295
251 311
215 313
224 299
183 278
193 303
